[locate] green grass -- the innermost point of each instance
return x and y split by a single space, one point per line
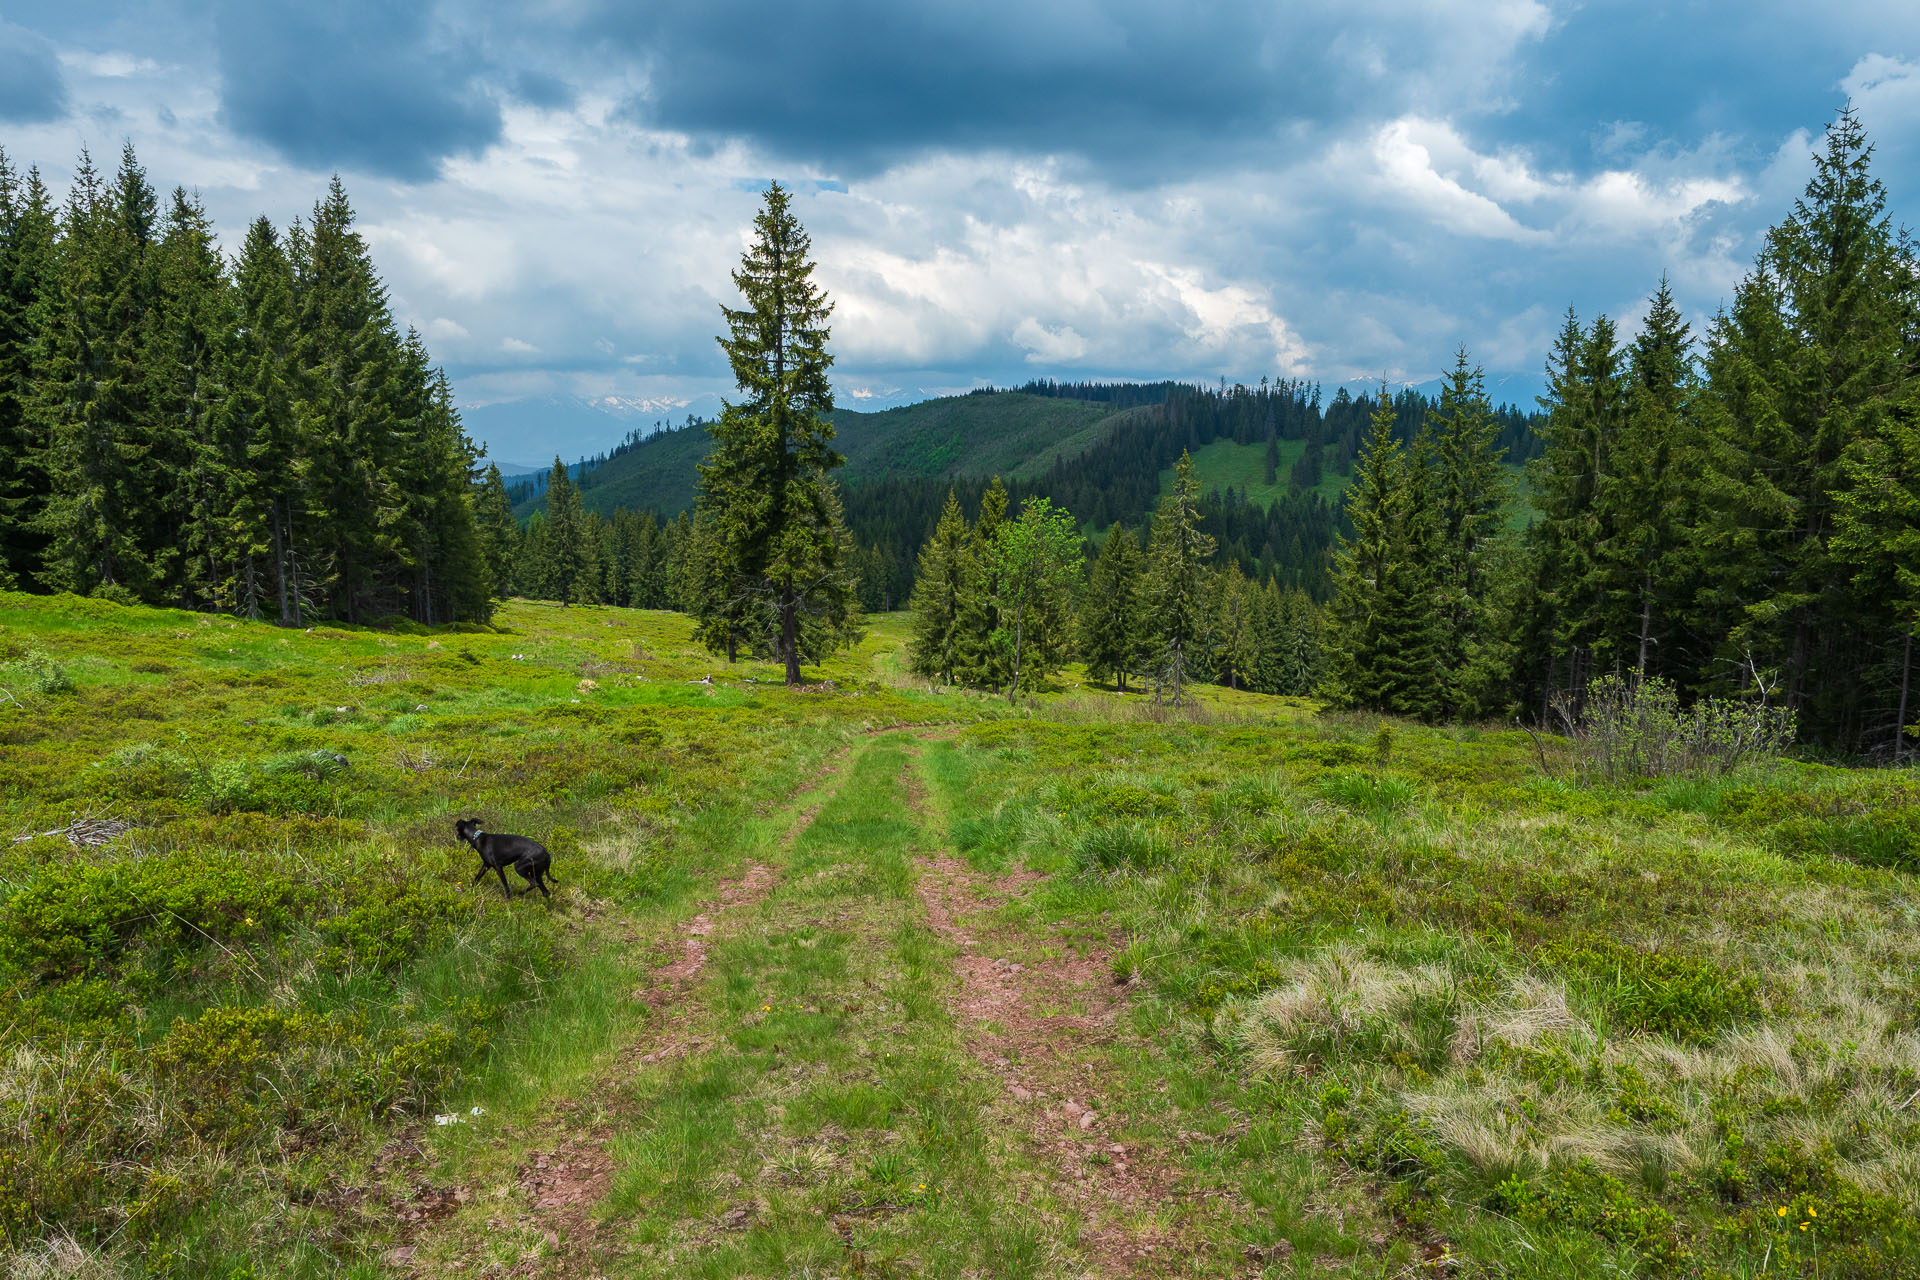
1394 994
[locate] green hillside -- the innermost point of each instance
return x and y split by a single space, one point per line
1002 434
1225 465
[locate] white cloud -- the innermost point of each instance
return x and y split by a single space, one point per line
1048 346
516 347
1407 174
445 330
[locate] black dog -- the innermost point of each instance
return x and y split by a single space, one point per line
528 857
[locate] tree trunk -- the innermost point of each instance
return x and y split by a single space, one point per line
1900 724
1646 619
1014 687
790 634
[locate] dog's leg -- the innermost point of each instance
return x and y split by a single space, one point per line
503 880
484 868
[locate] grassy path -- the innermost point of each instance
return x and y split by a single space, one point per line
866 1060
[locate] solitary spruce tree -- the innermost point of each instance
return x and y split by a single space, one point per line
766 487
1178 596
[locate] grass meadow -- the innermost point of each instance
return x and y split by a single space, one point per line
1391 1000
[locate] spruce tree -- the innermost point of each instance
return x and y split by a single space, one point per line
1381 626
1470 492
1236 633
766 485
266 506
1642 561
347 360
91 391
567 565
28 279
1176 586
499 531
1112 623
983 660
202 463
1804 370
1877 541
939 593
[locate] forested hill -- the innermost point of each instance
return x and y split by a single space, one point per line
1009 434
1272 461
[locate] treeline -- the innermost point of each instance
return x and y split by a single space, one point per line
1005 600
253 435
1288 541
1741 519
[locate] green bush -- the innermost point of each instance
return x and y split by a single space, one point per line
1586 1198
1661 992
35 672
75 918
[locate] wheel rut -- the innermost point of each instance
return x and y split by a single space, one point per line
564 1182
1046 1028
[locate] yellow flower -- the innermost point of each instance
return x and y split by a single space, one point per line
1782 1211
1813 1213
765 1007
1803 1226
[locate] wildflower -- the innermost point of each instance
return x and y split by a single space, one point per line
1812 1212
1782 1211
1803 1226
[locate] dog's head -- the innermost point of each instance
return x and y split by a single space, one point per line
466 829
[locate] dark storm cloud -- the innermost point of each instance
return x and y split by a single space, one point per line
1131 86
31 88
359 85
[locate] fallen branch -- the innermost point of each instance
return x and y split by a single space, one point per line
83 832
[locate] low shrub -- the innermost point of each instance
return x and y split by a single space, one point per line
1586 1198
1660 992
35 672
1629 729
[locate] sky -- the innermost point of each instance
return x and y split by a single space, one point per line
555 191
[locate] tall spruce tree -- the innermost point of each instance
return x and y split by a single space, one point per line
347 356
1877 540
983 660
1381 642
939 595
91 385
1470 492
28 280
1642 564
189 363
260 426
1177 586
1113 624
1803 369
766 486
